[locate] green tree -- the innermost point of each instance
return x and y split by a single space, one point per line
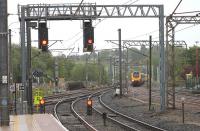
15 62
43 62
65 66
78 73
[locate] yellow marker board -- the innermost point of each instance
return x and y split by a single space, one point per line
37 100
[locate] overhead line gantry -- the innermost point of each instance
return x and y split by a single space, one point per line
91 11
172 22
146 43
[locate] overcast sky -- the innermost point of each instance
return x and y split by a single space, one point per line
135 28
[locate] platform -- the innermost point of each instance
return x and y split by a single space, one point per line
35 122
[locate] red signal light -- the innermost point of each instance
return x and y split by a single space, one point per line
90 41
42 101
44 42
89 106
89 102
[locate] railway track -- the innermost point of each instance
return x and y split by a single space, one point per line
114 121
59 106
130 123
62 111
51 101
71 111
78 107
191 100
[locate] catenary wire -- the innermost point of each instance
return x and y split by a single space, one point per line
94 25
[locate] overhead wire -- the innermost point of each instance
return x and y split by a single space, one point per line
78 7
78 32
154 31
187 12
176 7
179 30
95 24
73 44
145 34
120 9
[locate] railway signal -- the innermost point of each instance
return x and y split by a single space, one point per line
43 36
42 105
56 81
88 36
89 106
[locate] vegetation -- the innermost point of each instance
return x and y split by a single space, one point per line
73 68
190 65
96 66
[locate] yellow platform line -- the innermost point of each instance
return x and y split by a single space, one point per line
16 123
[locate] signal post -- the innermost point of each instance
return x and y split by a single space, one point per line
89 12
89 106
4 74
42 105
43 36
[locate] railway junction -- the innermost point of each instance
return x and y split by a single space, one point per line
117 89
127 113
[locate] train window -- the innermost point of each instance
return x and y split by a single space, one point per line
136 74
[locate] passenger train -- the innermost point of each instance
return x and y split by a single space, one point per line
137 78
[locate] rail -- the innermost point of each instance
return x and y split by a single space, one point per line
154 128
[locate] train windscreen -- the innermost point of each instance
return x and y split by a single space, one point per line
136 74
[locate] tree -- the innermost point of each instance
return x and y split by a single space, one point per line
15 62
78 73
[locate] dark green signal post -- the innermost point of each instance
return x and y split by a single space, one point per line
43 36
88 36
89 106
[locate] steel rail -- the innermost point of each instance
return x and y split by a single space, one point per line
123 125
66 100
64 94
63 101
82 120
56 106
54 99
130 118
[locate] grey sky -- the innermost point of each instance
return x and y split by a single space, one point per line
71 32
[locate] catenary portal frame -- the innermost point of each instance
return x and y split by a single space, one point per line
38 12
171 23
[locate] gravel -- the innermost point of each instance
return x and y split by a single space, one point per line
170 120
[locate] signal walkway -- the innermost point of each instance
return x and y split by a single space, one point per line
35 122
